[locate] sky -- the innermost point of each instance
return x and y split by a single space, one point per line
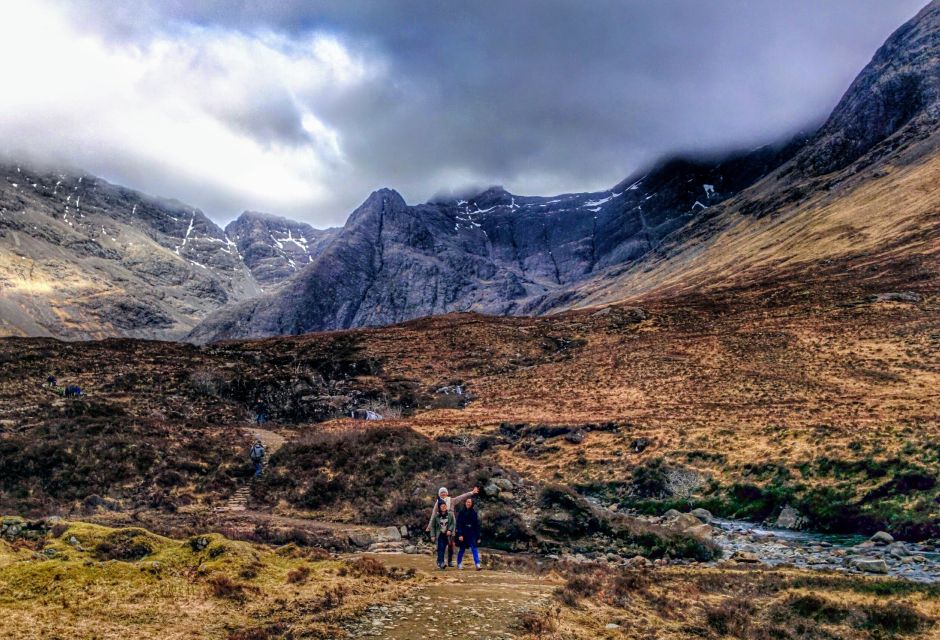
303 107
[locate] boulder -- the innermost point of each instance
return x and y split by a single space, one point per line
638 561
789 518
683 522
882 537
404 531
702 514
503 484
870 565
361 538
388 534
491 490
746 557
507 496
672 513
700 532
575 438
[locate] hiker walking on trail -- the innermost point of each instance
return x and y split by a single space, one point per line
256 453
443 497
261 415
468 533
442 532
51 382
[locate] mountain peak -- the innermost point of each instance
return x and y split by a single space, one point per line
898 92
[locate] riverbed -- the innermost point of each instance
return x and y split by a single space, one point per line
810 550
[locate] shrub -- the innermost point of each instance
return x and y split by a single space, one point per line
731 617
127 545
222 586
298 575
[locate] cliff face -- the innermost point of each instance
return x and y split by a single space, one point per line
81 258
273 247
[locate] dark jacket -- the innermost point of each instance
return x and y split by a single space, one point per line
468 526
439 525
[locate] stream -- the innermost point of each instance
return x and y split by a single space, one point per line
810 550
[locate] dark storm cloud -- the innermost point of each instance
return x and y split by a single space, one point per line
540 96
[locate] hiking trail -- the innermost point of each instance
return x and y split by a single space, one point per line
272 442
484 604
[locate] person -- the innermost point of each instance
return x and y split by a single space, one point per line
52 382
442 531
256 453
444 497
468 533
261 415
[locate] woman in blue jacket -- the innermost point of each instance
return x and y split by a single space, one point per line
468 533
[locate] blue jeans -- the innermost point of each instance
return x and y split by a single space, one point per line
473 550
257 469
443 540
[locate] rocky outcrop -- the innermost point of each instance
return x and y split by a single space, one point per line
495 252
82 258
274 248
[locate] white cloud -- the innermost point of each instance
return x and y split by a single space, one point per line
207 110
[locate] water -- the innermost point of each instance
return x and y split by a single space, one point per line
813 550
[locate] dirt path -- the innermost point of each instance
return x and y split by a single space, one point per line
454 604
272 441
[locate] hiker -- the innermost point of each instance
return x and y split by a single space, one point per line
442 532
256 453
73 391
468 533
260 415
51 382
444 497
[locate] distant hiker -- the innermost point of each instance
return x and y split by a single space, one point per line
261 415
468 533
442 532
256 453
51 382
73 391
443 497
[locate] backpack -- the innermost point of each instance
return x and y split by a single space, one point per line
256 453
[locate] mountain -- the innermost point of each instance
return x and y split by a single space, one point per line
82 258
493 252
688 223
273 247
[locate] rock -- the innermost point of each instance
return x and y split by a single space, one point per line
613 506
611 626
789 518
746 557
882 537
638 561
73 541
197 544
503 484
700 532
684 521
672 513
575 438
639 445
404 531
410 549
491 490
870 565
702 514
361 539
896 296
507 496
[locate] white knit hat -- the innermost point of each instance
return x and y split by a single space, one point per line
442 491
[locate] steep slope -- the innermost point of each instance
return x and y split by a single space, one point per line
861 194
273 247
494 252
82 258
682 225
